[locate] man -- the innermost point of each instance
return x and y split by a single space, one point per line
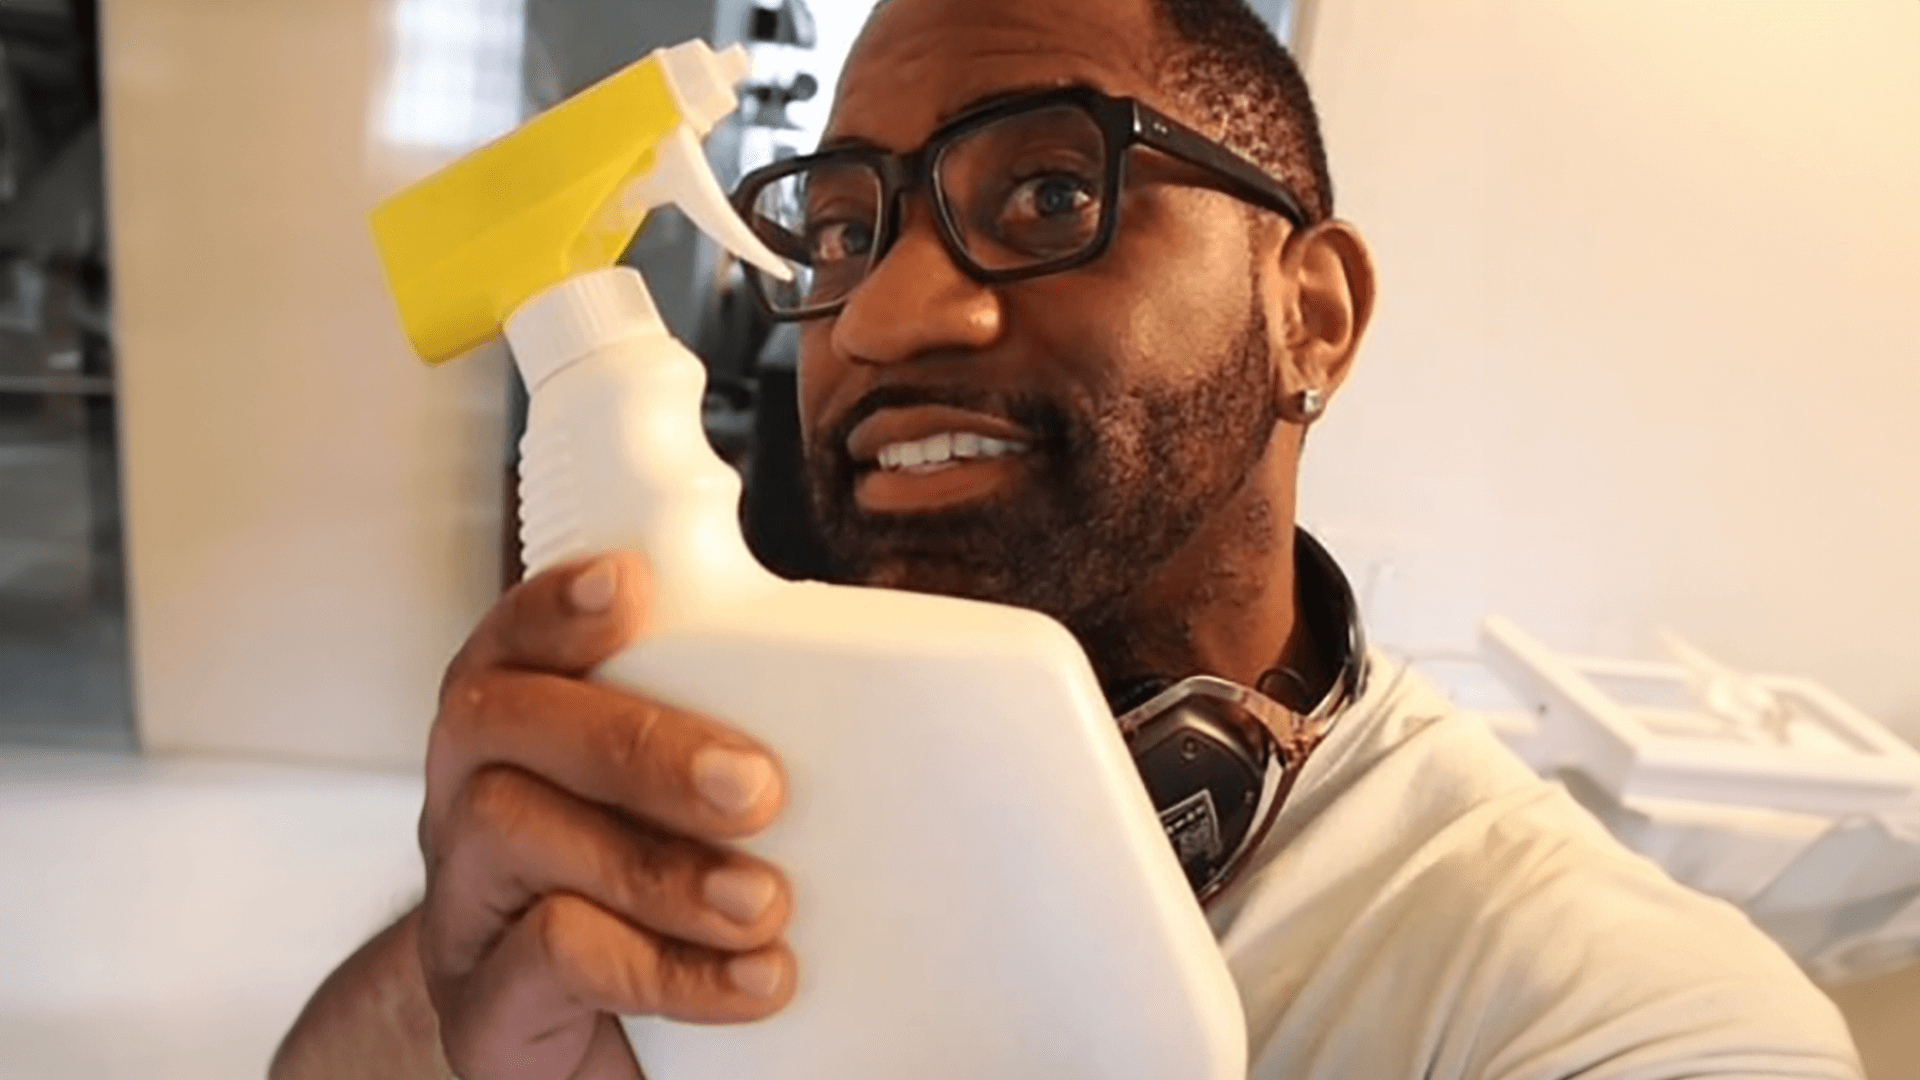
1422 907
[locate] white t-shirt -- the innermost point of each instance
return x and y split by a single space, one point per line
1426 908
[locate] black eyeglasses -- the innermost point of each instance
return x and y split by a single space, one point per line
1020 189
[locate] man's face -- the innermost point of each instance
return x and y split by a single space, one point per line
1137 393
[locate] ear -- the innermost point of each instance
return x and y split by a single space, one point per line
1319 299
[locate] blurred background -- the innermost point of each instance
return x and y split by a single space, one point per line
1645 356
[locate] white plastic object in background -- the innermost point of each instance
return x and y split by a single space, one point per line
1733 852
1635 728
1765 791
1719 691
981 885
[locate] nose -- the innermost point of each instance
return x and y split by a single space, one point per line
916 301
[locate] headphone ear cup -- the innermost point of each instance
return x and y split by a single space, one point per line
1205 777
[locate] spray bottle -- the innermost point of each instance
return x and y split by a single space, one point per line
981 885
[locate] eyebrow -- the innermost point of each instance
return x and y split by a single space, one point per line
975 104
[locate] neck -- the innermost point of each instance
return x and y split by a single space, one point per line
1227 604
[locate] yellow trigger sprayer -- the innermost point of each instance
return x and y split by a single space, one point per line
981 886
561 197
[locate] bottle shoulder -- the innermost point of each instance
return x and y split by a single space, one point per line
892 620
781 658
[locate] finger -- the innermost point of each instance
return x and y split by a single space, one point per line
565 619
609 1055
513 839
669 768
534 998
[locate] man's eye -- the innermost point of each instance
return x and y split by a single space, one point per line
836 241
1048 199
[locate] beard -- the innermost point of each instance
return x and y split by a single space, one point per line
1110 491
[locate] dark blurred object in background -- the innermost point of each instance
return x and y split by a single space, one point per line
63 640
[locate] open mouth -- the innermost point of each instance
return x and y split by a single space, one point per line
933 457
948 449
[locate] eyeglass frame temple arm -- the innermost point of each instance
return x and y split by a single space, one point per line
1169 136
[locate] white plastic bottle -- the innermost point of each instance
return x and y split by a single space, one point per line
981 886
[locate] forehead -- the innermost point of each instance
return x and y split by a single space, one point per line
921 61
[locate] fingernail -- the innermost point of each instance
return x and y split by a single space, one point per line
741 893
758 975
732 780
591 591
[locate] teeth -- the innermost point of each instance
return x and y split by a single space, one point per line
938 450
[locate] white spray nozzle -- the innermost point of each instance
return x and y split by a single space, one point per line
702 82
680 176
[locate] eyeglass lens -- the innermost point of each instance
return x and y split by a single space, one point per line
1022 191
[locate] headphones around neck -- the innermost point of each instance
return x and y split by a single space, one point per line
1218 758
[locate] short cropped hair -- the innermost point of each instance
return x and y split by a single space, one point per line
1224 63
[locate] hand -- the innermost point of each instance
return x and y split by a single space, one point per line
574 842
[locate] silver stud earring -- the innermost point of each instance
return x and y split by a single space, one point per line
1312 403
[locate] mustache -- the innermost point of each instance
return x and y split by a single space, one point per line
1045 419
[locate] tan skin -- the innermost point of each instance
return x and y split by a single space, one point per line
577 869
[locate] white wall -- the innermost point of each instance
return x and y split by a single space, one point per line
313 516
1648 348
